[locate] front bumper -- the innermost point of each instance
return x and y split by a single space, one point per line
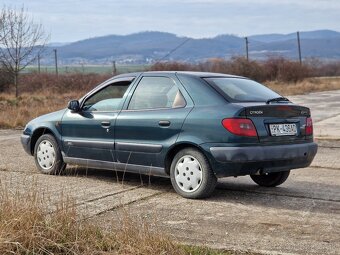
26 143
229 161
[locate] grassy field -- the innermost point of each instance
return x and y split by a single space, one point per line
16 112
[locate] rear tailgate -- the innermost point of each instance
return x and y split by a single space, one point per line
278 123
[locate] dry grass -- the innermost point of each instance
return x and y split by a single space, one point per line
25 228
306 86
16 112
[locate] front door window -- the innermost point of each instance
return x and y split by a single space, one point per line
107 99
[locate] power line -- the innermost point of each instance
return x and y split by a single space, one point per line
174 49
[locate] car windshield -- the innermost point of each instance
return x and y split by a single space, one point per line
241 90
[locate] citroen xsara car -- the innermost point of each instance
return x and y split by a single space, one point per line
192 127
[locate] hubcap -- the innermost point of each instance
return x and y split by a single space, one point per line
46 155
188 173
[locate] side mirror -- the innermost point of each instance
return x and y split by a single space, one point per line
73 105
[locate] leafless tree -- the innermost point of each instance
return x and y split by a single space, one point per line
21 41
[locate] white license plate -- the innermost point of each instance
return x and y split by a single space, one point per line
282 129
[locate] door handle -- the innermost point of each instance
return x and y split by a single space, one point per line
106 124
164 123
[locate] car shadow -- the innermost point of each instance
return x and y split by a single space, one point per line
126 178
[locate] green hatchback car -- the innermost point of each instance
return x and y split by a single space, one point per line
192 127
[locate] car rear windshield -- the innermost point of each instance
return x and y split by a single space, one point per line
241 90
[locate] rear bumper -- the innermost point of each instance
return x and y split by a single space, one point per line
263 153
229 161
26 143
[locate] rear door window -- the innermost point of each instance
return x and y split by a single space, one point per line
156 93
241 90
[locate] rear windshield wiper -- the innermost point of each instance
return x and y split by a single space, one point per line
277 99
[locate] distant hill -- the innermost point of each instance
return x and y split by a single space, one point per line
317 34
147 47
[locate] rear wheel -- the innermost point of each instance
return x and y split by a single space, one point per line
270 179
47 155
191 174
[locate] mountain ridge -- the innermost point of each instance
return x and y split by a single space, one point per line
150 46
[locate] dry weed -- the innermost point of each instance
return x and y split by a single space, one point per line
26 228
306 86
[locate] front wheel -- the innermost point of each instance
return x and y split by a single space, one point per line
270 179
47 155
191 174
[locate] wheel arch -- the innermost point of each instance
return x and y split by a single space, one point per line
38 133
175 149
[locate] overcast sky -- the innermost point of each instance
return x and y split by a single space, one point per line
71 20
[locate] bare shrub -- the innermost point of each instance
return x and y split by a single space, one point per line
5 80
286 70
327 69
215 65
173 66
272 69
251 69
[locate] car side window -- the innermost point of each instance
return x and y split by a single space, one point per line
107 99
155 93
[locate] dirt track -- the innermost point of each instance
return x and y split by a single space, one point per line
300 217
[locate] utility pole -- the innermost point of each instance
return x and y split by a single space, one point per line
114 68
299 46
56 61
39 63
247 48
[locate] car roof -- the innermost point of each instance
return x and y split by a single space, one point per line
188 73
204 74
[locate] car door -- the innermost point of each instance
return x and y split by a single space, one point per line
151 121
89 133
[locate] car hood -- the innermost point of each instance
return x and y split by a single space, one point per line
45 120
53 116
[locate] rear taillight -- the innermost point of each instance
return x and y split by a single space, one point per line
242 127
309 126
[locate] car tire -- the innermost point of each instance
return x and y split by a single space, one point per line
47 155
191 174
271 179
